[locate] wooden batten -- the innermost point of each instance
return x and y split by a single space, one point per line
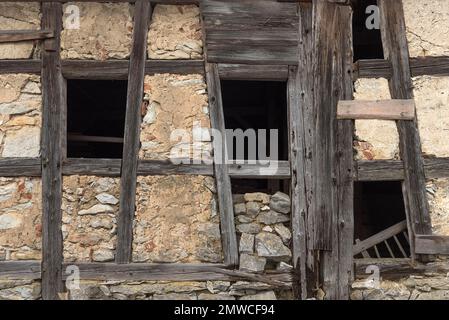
378 110
431 244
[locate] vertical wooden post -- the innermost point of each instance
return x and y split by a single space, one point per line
128 182
53 93
224 191
401 87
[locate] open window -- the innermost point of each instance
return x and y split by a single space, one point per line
380 227
366 33
95 118
252 108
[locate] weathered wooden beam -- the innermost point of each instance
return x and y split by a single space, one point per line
431 244
224 191
20 167
20 66
253 72
118 69
401 87
128 181
376 109
52 96
20 270
95 167
275 170
24 35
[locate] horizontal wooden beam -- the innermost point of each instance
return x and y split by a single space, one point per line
378 110
379 68
83 138
20 66
95 167
20 270
24 35
253 72
20 167
431 244
276 170
153 167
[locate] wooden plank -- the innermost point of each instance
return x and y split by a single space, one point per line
224 191
20 66
431 244
379 170
372 68
176 272
379 237
376 109
153 167
24 35
118 69
20 167
84 138
20 270
52 95
253 72
95 167
131 145
275 170
396 51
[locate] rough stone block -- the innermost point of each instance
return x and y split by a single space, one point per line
252 263
105 31
438 197
175 33
89 226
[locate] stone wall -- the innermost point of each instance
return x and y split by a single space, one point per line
90 207
430 285
175 33
176 220
20 218
173 120
375 139
20 16
20 290
20 115
105 31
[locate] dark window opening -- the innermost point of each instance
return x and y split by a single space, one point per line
95 118
242 186
378 206
367 42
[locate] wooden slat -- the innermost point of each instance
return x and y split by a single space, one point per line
379 237
398 243
52 95
134 100
20 270
396 51
431 244
276 170
152 167
24 35
253 72
20 167
95 167
224 192
380 109
372 68
20 66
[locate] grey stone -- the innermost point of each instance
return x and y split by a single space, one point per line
238 198
252 209
252 263
250 285
239 208
24 142
97 209
267 295
283 232
174 296
280 202
9 221
257 197
15 108
271 246
209 296
217 286
252 228
103 255
246 243
106 198
282 266
244 219
104 223
272 217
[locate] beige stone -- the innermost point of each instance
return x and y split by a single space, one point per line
19 16
89 227
432 106
175 33
438 196
427 25
20 218
173 221
105 32
175 124
376 139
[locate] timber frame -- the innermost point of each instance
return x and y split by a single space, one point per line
319 163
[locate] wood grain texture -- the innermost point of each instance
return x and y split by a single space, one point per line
431 244
20 167
20 66
131 144
253 72
52 96
20 270
379 110
24 35
396 51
